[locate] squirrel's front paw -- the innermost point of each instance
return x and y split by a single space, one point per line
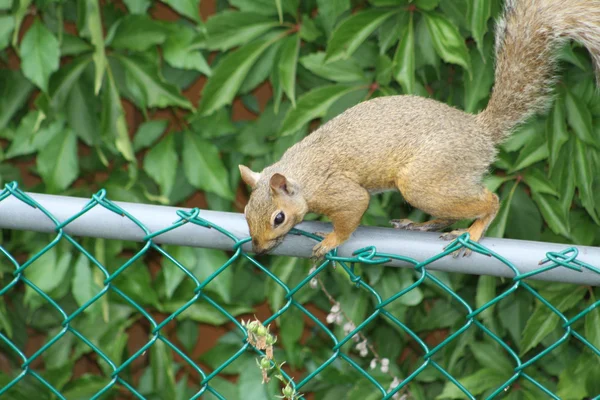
319 251
325 246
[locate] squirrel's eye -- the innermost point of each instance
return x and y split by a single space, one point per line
279 218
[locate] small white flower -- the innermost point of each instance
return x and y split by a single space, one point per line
385 361
385 368
339 319
349 327
373 363
335 308
314 283
395 382
331 318
393 385
362 348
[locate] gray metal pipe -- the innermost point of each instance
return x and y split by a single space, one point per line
102 223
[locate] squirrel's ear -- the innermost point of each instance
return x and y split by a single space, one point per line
249 176
281 185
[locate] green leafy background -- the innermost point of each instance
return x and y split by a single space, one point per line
159 101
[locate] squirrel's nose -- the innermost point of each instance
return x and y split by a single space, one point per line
256 248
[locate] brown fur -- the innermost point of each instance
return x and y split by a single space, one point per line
434 154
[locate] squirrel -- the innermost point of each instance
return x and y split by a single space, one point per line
434 154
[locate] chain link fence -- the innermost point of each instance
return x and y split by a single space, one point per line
369 256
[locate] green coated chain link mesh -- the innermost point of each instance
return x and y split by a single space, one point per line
566 259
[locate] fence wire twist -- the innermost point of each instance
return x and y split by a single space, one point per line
369 255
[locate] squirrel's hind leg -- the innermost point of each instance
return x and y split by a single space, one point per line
450 204
432 225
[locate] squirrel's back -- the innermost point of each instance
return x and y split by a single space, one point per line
371 141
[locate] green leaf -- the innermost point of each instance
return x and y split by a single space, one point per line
187 334
447 41
14 92
309 31
161 164
23 143
201 311
534 151
394 281
330 10
556 130
203 166
525 221
7 24
161 364
383 70
478 13
19 14
48 271
571 381
493 182
85 387
538 182
94 25
63 81
390 31
477 383
425 52
584 177
260 71
543 321
498 225
427 5
404 59
179 51
40 53
148 133
188 8
265 7
82 113
311 105
84 287
479 87
58 163
228 76
72 45
486 292
580 119
250 384
288 60
338 71
138 33
112 120
353 31
554 215
592 326
137 6
490 355
233 28
283 268
150 89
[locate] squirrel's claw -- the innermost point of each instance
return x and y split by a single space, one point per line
402 223
453 235
319 251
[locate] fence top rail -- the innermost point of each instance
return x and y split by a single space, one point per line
102 223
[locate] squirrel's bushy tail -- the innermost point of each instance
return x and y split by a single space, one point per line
527 39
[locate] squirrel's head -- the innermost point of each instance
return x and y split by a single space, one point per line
276 204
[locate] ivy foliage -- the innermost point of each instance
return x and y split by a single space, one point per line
104 94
